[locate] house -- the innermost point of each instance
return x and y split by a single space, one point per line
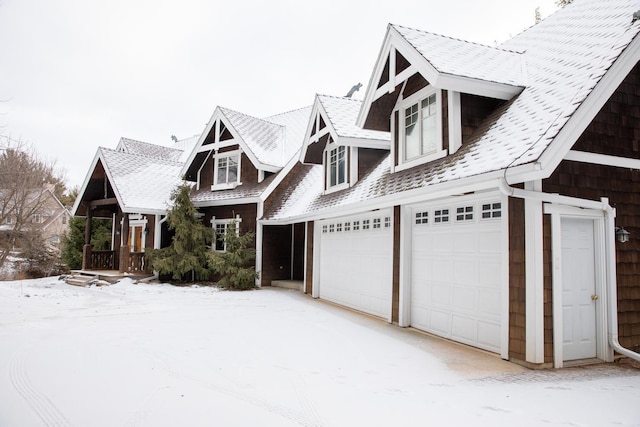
46 215
236 164
498 213
132 186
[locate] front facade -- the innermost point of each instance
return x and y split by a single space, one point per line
497 215
482 194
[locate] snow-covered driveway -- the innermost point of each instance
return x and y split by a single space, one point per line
158 355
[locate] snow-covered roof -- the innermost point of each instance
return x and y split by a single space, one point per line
141 183
566 56
343 113
466 59
131 146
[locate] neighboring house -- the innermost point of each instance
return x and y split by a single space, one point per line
498 213
235 165
47 216
130 185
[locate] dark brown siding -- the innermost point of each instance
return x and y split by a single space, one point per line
395 293
247 213
474 110
151 235
298 252
206 173
248 172
517 303
367 158
414 84
445 120
309 277
614 131
287 183
395 138
548 290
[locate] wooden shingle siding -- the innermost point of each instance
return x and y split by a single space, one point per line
367 158
548 290
614 131
247 214
276 254
206 173
475 109
517 290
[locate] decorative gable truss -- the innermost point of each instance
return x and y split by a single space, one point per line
426 88
334 141
229 140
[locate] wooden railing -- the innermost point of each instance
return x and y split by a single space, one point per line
103 260
136 263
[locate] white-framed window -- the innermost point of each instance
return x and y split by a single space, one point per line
464 213
491 210
226 170
422 217
419 128
365 224
347 226
339 227
387 222
332 228
356 225
220 227
441 216
377 223
37 219
8 220
337 166
324 228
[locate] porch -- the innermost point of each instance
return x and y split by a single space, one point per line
128 262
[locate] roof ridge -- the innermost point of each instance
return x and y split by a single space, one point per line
457 39
344 98
142 155
288 111
223 109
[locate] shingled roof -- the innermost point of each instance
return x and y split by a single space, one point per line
566 57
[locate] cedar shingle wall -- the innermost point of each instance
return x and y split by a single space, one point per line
547 290
276 253
615 131
517 303
247 213
474 110
367 157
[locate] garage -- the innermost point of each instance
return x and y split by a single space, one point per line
456 271
355 262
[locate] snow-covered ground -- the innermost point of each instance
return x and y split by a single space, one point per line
158 355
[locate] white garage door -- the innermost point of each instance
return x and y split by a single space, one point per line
356 262
456 270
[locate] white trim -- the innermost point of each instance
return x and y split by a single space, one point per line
400 107
602 159
504 292
534 282
315 284
455 120
226 185
326 163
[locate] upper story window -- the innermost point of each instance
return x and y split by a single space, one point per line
227 170
337 166
420 129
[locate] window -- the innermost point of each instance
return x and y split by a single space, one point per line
491 210
422 217
55 239
227 169
387 222
64 219
220 229
347 226
464 213
324 228
331 228
37 219
8 220
356 225
337 168
420 128
440 216
365 224
376 223
339 227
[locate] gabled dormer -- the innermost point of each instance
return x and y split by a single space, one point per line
237 149
334 141
431 92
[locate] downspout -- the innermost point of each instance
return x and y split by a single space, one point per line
610 246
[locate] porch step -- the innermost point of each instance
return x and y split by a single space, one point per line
80 280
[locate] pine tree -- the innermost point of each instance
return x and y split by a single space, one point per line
189 246
234 265
73 242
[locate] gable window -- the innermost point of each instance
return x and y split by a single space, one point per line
337 166
419 129
227 169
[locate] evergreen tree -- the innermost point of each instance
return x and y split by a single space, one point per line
189 246
73 242
235 264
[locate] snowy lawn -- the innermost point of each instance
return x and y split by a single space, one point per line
158 355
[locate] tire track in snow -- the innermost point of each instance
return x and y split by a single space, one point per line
308 419
39 402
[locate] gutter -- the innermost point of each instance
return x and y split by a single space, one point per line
610 214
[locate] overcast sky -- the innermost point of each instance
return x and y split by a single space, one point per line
78 74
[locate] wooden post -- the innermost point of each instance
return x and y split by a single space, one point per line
87 227
86 257
124 245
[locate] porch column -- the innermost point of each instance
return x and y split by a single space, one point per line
86 249
124 244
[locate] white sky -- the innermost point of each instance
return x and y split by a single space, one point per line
78 74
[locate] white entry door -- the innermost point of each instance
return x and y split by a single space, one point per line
578 289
